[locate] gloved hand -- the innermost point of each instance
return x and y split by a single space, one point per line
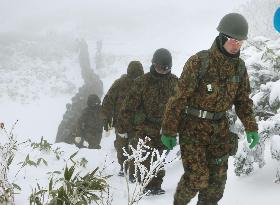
107 124
253 136
169 141
123 135
85 143
78 140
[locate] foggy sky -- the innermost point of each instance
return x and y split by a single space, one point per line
160 23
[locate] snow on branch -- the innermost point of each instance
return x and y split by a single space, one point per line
143 174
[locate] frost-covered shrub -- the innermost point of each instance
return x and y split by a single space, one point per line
275 154
72 189
245 159
262 57
142 174
275 147
242 164
64 187
8 149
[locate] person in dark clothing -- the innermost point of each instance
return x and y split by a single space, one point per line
90 125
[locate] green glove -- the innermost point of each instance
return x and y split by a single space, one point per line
253 136
168 141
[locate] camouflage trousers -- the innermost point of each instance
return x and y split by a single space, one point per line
119 144
205 147
156 143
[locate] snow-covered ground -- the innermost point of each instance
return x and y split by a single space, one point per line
258 188
133 31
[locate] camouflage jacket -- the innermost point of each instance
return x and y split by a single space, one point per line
114 98
90 121
225 92
148 96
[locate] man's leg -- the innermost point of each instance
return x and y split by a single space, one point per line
119 144
130 164
155 184
183 193
216 185
98 138
93 140
133 141
196 174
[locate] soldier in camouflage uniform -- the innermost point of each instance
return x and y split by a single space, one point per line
90 125
112 102
146 103
211 82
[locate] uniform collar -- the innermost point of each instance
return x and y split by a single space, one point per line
216 52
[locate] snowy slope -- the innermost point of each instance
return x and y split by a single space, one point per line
43 118
255 189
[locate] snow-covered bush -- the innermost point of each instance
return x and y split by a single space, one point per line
262 57
8 149
72 188
142 174
67 186
245 159
275 153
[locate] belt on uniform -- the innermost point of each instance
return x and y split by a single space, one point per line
204 114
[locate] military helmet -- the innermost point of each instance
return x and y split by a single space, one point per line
93 100
134 69
162 57
234 25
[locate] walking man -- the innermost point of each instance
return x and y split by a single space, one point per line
212 82
146 102
111 106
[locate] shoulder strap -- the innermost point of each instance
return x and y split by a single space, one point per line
241 68
240 72
204 57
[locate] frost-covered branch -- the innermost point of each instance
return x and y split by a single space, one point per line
143 174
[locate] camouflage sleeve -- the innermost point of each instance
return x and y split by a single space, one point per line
129 107
108 103
186 86
244 104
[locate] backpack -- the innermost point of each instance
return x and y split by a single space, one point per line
204 57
